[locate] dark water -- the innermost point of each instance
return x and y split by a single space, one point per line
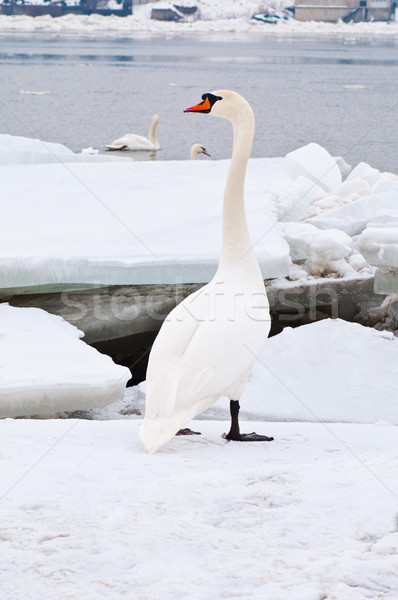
102 88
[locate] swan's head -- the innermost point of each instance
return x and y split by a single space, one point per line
221 103
198 149
155 118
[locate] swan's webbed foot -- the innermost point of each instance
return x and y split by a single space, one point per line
187 431
247 437
235 434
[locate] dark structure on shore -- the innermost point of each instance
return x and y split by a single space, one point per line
59 8
346 10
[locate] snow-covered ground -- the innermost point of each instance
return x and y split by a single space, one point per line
310 516
217 16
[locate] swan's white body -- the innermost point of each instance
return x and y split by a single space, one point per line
208 344
197 149
132 141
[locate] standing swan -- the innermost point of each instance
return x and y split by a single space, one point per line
132 141
207 345
197 149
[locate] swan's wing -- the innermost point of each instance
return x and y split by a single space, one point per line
217 357
138 142
166 355
119 144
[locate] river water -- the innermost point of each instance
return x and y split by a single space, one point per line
339 92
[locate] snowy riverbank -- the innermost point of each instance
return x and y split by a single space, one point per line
227 21
311 515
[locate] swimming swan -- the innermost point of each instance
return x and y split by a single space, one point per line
208 344
132 141
198 149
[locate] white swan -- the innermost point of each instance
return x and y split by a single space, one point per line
198 149
132 141
207 345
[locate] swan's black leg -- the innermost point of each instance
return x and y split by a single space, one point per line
235 434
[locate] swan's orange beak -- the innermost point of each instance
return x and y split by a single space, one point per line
203 107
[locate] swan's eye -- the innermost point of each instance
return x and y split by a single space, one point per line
212 98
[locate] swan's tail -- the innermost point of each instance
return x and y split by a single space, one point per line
154 433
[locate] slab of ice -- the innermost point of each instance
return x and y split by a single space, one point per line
10 157
365 172
320 248
386 282
317 164
294 201
45 368
386 183
24 144
331 370
379 245
343 165
22 150
349 191
355 216
128 222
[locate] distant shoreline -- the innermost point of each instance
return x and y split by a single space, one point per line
114 25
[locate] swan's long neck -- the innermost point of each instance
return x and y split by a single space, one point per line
194 153
236 243
152 131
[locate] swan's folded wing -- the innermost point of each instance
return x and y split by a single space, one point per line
216 359
163 373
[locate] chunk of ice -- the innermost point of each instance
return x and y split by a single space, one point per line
317 164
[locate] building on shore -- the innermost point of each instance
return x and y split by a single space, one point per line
346 10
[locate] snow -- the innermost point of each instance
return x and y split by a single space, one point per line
311 515
113 223
45 368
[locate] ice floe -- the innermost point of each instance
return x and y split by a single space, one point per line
320 250
160 222
328 371
127 222
45 368
21 150
331 370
